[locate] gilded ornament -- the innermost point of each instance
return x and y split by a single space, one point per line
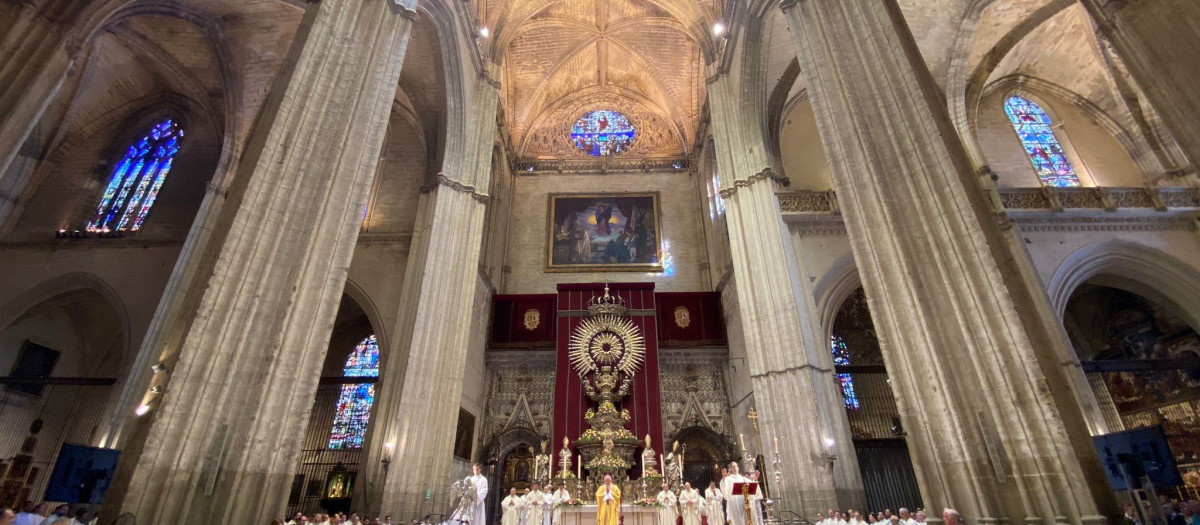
533 319
683 318
607 340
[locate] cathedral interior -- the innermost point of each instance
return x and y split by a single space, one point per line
268 256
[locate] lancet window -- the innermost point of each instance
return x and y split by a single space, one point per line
1036 132
136 179
355 400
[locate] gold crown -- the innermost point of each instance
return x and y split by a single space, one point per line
607 304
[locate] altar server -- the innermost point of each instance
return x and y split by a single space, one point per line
690 504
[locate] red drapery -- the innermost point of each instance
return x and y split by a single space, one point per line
644 402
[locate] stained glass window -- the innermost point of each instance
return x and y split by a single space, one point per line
601 133
841 357
136 178
1033 127
354 403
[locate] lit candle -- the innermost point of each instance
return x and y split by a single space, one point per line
742 438
662 464
579 468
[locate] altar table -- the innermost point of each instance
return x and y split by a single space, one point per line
586 515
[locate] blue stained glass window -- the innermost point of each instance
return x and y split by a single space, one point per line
602 133
355 400
137 178
841 357
1033 127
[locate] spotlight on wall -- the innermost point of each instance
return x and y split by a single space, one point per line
159 367
718 29
484 32
677 164
529 168
141 410
156 389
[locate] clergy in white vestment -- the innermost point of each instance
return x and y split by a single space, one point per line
906 517
481 491
559 498
548 510
735 504
690 503
668 512
715 508
511 508
535 506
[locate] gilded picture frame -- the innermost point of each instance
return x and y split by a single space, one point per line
604 232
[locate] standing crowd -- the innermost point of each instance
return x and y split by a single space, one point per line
336 518
885 517
40 514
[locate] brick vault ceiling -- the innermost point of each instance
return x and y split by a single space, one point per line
564 58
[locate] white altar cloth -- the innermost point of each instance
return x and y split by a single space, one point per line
586 515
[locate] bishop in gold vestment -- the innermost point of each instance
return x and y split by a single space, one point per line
608 503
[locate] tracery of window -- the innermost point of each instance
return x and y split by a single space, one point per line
136 179
602 133
1033 127
841 357
355 400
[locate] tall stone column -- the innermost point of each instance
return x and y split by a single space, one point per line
1156 41
993 426
225 440
38 58
789 361
421 394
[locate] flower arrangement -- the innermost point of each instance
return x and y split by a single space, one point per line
648 503
606 464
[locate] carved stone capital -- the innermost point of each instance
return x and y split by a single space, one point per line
401 9
73 45
766 173
787 4
443 180
489 79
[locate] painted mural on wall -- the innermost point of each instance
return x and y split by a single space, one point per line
604 232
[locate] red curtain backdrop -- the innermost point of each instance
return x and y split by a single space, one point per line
644 402
703 326
508 321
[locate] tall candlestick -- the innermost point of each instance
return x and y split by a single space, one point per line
579 468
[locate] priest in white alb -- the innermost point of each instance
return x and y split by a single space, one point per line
481 491
511 507
561 497
535 506
715 504
735 503
690 503
667 500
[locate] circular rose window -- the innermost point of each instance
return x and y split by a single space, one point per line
601 133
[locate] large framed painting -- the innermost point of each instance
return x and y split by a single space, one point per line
618 232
